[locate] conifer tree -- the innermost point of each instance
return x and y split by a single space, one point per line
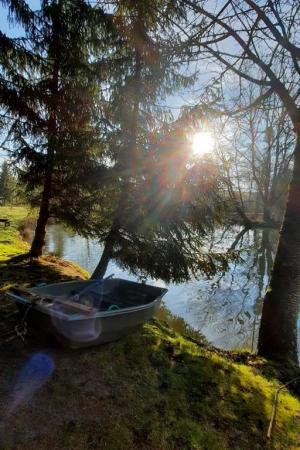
47 94
7 184
148 222
136 84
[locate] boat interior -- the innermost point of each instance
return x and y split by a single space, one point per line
102 295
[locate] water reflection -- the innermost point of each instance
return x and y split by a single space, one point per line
226 308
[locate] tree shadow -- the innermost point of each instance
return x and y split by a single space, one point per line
150 390
33 271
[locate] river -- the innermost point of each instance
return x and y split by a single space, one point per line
225 309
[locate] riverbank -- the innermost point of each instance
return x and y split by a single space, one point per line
155 389
11 241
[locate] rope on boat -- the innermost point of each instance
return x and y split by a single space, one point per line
21 329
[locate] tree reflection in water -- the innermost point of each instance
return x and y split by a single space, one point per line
229 306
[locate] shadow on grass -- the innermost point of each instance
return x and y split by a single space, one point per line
152 390
44 270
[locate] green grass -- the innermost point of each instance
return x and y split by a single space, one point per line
11 242
156 389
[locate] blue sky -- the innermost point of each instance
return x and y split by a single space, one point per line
10 29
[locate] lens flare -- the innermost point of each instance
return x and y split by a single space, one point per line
32 377
202 143
80 331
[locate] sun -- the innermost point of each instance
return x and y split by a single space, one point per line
202 143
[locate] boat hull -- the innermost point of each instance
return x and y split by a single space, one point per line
77 330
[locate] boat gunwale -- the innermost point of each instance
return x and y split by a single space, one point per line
92 315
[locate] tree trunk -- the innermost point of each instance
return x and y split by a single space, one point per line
40 231
246 221
101 268
267 214
278 329
131 167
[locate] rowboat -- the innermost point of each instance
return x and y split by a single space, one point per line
86 313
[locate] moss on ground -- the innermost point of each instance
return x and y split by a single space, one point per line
153 390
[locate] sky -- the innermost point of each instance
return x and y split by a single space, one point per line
10 29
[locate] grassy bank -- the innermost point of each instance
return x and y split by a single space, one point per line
153 390
11 242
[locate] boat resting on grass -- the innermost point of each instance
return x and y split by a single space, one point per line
86 313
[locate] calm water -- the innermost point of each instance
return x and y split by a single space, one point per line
226 308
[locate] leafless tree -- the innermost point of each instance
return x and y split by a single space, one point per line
258 42
256 153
